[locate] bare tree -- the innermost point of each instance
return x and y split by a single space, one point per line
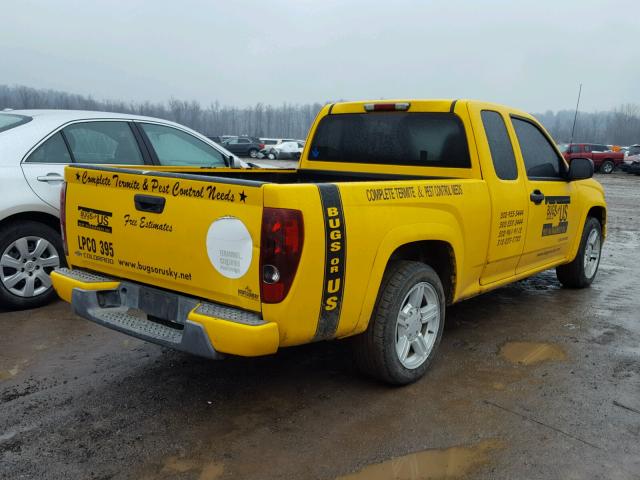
618 126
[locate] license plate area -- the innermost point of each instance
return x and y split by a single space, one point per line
159 304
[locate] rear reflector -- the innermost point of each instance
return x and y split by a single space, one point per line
280 249
386 107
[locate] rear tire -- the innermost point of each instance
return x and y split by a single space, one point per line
253 153
405 327
583 269
29 251
607 167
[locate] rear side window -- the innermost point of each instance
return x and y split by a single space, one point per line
175 147
54 150
540 158
9 121
504 161
103 143
393 138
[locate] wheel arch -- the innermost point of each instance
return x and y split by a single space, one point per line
600 213
438 254
40 217
598 210
439 245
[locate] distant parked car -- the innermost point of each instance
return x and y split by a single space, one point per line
604 159
269 142
244 146
35 146
287 150
632 150
631 159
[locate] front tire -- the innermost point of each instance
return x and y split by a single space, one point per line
607 167
406 325
581 272
29 251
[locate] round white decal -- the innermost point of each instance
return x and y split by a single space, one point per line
229 247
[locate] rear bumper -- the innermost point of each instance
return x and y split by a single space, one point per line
166 318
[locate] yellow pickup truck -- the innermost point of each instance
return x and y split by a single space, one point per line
398 208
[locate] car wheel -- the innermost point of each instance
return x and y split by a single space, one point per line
271 156
582 270
406 325
296 156
607 167
29 252
253 153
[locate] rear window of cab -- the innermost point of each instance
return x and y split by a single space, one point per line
392 138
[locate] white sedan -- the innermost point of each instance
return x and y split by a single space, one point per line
35 146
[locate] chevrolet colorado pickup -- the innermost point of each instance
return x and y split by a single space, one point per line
397 209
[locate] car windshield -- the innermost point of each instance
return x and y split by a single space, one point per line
10 120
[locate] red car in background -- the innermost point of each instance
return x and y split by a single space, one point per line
604 159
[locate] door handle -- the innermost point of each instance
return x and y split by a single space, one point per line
149 203
537 197
50 177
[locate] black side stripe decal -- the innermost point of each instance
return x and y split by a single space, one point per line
334 261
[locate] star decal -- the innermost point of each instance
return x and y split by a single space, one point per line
77 176
243 197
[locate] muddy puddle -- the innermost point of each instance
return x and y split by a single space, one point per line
453 462
177 466
10 373
530 353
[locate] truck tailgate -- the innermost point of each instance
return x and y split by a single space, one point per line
199 235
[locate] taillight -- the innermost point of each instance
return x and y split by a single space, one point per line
387 107
261 146
280 249
63 217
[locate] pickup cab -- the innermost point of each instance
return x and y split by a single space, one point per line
604 158
398 209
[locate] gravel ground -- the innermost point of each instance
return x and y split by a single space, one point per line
532 381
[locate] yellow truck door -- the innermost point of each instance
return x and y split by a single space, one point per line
507 189
551 212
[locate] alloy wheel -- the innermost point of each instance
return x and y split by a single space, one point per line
25 266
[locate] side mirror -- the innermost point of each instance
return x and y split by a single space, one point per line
580 169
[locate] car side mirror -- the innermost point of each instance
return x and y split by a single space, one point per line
580 169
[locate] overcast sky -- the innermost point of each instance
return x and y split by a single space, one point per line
527 54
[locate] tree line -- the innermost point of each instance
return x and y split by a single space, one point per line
620 126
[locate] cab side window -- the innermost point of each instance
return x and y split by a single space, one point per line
575 149
103 143
540 158
53 150
504 161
